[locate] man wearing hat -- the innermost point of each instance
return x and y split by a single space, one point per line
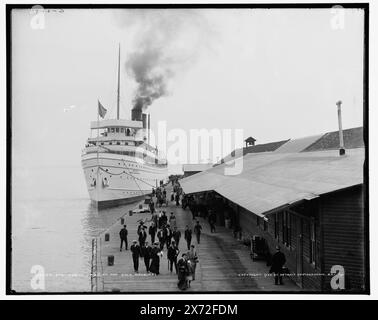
142 234
172 253
155 259
135 249
123 236
278 261
146 254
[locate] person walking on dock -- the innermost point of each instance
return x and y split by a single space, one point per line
177 198
155 219
172 254
212 221
123 236
193 259
155 259
152 232
188 236
183 272
135 249
161 237
152 206
176 236
193 207
172 220
168 235
146 254
197 231
141 226
278 261
142 237
163 220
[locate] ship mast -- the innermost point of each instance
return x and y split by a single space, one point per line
119 63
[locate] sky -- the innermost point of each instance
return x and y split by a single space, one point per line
275 74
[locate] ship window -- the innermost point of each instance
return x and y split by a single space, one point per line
102 143
118 143
122 130
117 129
112 130
127 132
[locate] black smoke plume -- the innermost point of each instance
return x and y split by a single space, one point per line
166 42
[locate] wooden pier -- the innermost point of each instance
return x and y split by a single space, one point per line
224 262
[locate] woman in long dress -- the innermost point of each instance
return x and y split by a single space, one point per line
183 271
155 259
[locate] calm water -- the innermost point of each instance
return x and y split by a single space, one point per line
52 226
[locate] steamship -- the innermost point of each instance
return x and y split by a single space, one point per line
120 166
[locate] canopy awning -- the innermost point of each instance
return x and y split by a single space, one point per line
272 180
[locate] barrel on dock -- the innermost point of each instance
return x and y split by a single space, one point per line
110 260
130 213
107 236
122 220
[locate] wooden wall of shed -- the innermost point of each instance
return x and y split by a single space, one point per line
253 225
344 236
250 226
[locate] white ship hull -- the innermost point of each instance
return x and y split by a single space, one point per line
114 179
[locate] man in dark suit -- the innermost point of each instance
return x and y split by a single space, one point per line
188 236
278 261
176 236
135 249
123 236
152 231
161 237
142 237
146 254
172 254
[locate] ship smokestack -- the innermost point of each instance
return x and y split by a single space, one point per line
341 137
136 114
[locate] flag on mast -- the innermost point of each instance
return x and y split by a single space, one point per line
101 110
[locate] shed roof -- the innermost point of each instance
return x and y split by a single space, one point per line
353 138
265 147
271 180
297 145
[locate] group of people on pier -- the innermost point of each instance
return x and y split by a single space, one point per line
164 236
